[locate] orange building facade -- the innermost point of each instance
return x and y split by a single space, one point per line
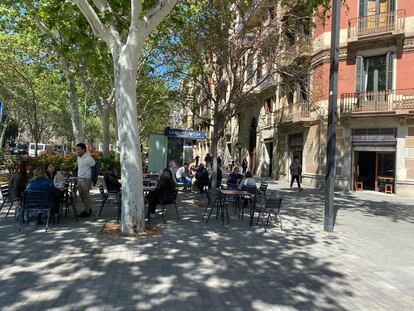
375 130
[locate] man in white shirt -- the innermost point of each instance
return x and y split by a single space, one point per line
85 163
182 176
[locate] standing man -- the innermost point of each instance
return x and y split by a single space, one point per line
85 163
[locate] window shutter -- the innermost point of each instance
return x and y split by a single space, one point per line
359 78
362 8
391 5
390 66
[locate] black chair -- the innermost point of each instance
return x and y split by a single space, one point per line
169 198
38 201
105 195
213 202
6 198
221 203
70 197
249 200
273 210
263 189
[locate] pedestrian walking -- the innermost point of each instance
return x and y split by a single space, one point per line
244 165
296 172
209 160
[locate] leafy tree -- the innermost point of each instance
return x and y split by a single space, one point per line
124 27
228 59
28 84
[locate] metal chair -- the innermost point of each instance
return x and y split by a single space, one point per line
273 209
213 202
39 201
263 189
105 195
169 198
250 199
6 198
70 197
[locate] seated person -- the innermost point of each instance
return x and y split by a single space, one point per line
111 180
192 176
58 182
247 181
182 175
40 183
219 177
201 176
55 176
18 183
234 178
164 185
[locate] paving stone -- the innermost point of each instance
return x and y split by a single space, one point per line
366 264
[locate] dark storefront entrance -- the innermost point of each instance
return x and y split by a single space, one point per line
375 169
374 159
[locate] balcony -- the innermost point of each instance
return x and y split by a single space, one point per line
299 112
302 47
369 28
252 16
267 83
382 102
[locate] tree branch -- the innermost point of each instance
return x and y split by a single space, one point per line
98 28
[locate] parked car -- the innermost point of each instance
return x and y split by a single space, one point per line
41 148
20 149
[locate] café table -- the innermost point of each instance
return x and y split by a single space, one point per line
230 193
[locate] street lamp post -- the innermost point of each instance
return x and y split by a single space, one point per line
329 220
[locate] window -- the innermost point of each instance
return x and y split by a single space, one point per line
375 73
375 7
249 69
269 105
303 88
259 67
386 164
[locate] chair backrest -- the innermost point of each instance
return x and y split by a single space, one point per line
263 187
169 197
36 200
101 189
212 197
250 189
4 191
274 203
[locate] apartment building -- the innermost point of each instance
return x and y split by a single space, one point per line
287 114
375 132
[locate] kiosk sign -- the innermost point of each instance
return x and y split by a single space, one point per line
190 134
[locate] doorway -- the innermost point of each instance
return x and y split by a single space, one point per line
365 169
375 169
269 149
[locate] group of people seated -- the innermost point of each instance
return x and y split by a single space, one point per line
237 181
45 179
196 176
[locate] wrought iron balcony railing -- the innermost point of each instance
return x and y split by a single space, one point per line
373 25
381 101
293 113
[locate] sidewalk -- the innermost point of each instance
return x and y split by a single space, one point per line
366 264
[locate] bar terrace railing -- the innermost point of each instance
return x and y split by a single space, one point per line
376 24
293 113
388 100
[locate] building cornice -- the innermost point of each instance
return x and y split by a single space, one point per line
322 56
